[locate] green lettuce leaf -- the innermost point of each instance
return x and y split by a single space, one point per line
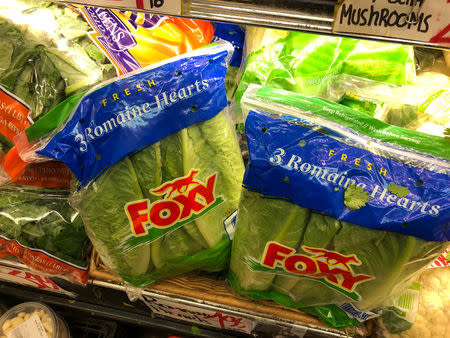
106 227
318 234
211 147
287 225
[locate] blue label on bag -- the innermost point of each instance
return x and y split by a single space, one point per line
233 34
140 109
303 163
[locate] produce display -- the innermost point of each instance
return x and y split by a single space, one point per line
127 133
338 208
174 182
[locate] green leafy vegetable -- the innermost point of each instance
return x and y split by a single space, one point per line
307 63
42 219
43 64
209 147
287 228
355 197
398 190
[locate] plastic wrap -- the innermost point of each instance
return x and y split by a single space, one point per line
307 63
431 305
46 56
234 34
339 211
134 40
52 51
161 203
130 41
400 311
38 226
423 107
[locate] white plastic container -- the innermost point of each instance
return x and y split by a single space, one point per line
32 319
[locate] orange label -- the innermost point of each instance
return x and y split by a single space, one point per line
13 114
47 174
43 262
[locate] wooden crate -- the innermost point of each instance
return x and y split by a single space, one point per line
208 289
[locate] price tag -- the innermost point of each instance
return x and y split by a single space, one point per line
172 7
30 328
420 20
199 316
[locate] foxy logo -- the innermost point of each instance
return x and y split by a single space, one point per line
331 267
179 186
183 199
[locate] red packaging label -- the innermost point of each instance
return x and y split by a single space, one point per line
13 114
442 260
51 174
44 262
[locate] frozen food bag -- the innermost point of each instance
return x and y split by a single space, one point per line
159 166
339 210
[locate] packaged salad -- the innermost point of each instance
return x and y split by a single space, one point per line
340 210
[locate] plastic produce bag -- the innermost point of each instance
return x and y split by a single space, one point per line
426 302
234 34
38 226
340 210
130 41
45 56
75 48
134 40
306 63
160 203
424 107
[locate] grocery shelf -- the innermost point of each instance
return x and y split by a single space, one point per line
182 301
314 16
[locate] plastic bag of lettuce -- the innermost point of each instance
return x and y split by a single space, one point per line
46 55
423 107
340 211
159 166
307 63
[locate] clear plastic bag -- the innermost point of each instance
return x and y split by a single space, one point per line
46 56
339 210
160 203
307 63
423 107
38 226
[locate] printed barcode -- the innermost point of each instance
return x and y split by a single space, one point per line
406 301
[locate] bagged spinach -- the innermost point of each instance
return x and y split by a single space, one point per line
46 55
39 227
159 166
340 211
